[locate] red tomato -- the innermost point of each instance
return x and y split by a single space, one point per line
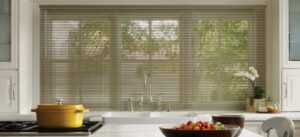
190 125
213 127
189 122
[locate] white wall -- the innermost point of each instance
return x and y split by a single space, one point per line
24 56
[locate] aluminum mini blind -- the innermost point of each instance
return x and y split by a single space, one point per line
100 56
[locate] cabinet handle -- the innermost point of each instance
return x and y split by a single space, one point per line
13 92
285 90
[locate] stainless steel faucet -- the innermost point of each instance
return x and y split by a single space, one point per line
146 99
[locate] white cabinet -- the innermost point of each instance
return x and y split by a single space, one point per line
290 90
8 56
289 33
8 34
8 91
290 36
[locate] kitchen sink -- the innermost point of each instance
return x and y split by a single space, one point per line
152 117
126 114
125 117
172 114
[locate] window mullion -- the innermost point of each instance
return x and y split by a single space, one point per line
115 57
185 46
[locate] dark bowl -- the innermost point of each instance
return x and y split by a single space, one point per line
169 131
231 120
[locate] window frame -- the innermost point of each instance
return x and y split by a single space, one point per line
34 40
183 28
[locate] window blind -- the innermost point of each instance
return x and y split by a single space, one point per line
100 56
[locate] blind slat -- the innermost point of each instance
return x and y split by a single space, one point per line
99 57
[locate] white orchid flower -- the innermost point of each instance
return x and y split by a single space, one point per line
253 71
251 74
245 74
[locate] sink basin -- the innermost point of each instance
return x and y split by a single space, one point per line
172 114
126 114
152 117
125 117
172 117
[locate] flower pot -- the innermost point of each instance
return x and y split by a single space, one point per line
253 104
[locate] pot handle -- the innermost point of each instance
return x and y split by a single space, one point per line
82 111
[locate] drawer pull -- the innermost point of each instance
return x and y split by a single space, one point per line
285 90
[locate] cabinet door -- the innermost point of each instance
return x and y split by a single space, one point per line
8 91
8 40
294 32
289 33
291 90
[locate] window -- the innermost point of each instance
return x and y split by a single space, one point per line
100 56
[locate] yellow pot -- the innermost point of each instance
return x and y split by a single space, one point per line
60 115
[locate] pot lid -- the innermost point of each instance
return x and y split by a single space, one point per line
60 106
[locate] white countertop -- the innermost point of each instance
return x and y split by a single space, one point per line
98 115
142 130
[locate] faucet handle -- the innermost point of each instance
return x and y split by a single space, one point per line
158 98
141 97
131 105
59 101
